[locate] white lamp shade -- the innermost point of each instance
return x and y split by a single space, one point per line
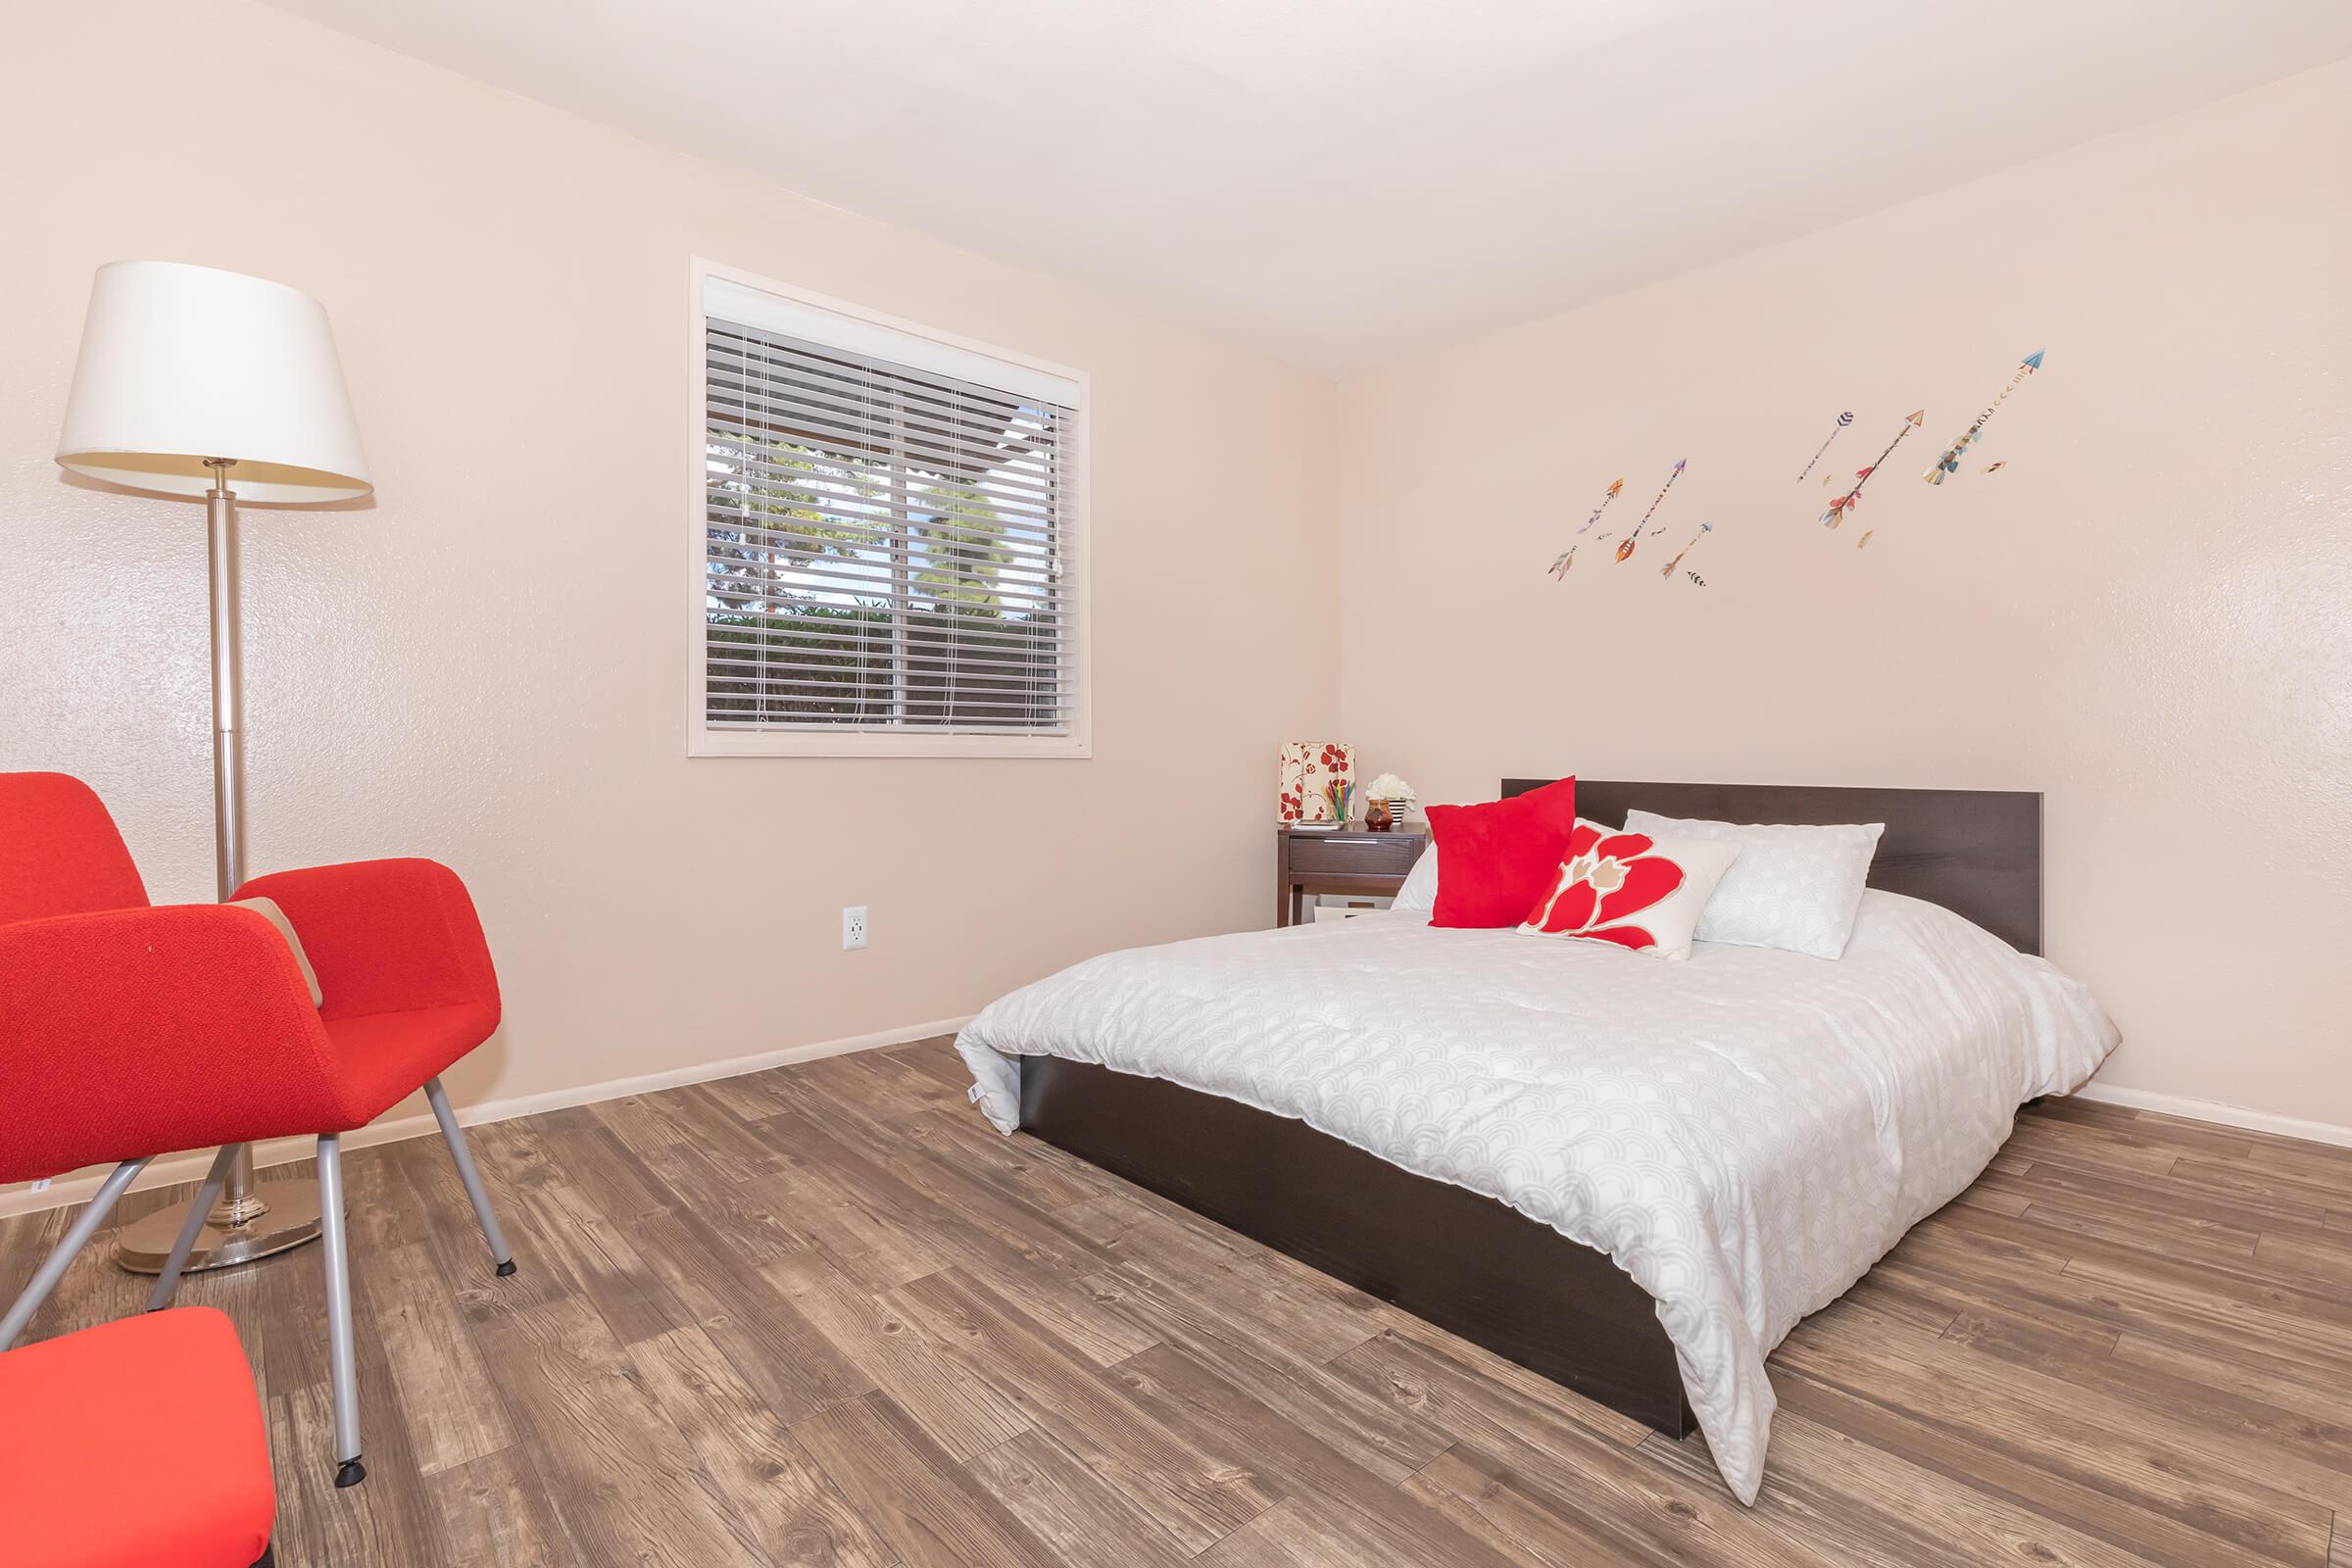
180 364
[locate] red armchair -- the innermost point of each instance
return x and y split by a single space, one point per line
128 1031
174 1385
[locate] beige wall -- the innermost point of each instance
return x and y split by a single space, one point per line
486 666
2144 614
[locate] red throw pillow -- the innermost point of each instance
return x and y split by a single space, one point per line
1496 860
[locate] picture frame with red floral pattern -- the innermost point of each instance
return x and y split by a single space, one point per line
1305 773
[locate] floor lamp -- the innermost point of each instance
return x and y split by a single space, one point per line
200 383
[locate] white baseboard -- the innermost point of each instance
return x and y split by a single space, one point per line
2212 1111
191 1167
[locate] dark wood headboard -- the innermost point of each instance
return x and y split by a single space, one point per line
1976 852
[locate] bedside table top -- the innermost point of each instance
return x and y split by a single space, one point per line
1352 831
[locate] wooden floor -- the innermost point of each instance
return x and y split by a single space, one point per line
823 1315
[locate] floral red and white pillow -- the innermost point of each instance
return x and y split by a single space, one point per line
1628 888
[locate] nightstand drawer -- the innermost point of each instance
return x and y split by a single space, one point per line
1353 854
1348 860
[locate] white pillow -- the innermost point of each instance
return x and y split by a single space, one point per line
1795 886
1419 895
1637 891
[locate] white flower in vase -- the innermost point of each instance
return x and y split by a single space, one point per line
1389 798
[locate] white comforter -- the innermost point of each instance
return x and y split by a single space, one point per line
1744 1133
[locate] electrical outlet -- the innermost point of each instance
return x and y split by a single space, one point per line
853 928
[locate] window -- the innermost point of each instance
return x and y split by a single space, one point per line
887 537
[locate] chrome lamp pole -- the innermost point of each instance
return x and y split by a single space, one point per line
191 378
250 1218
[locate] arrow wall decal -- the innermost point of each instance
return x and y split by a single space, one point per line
1559 567
1949 464
1667 570
1853 497
1627 548
1843 420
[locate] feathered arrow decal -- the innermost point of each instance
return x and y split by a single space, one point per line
1627 548
1667 570
1567 558
1843 420
1949 464
1853 497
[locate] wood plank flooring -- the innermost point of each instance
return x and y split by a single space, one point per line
824 1316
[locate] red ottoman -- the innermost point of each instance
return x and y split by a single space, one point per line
134 1445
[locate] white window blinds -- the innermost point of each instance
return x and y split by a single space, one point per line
890 530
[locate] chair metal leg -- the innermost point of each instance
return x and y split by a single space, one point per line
198 1211
77 1235
454 1137
342 1360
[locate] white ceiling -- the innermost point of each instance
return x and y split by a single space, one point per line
1341 182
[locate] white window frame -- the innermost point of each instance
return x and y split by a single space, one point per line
851 741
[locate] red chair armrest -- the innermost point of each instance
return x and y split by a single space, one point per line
385 936
136 1032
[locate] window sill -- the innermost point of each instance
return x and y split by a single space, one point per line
701 742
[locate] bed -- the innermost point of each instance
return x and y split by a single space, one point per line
1631 1176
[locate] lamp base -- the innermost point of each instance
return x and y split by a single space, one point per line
291 1219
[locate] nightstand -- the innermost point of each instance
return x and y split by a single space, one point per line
1348 859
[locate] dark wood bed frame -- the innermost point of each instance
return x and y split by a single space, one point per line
1465 1262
